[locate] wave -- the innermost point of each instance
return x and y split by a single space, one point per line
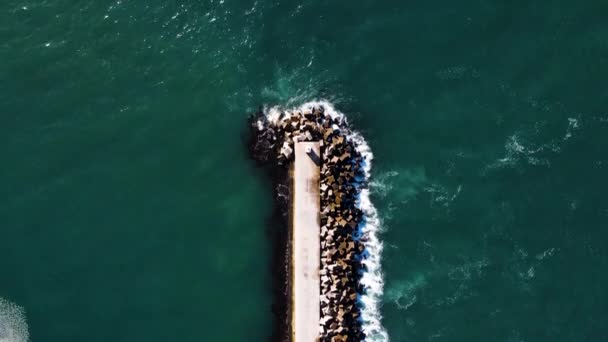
13 325
527 145
372 278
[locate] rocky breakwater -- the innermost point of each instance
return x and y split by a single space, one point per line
342 179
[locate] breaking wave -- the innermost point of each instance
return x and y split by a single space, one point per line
13 326
372 279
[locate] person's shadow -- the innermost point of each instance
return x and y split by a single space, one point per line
314 156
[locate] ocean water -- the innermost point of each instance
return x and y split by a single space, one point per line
130 210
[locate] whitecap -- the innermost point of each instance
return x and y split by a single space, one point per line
546 254
519 150
13 325
573 125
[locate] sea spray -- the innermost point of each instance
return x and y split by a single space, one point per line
276 130
13 326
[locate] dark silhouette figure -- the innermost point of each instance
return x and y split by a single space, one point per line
314 156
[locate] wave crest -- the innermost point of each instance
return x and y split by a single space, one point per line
13 325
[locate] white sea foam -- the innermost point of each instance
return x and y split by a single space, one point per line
13 326
372 279
404 292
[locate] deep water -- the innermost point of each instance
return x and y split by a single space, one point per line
130 210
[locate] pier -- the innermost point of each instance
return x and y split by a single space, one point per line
305 252
317 184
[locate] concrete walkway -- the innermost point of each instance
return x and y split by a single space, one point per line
306 244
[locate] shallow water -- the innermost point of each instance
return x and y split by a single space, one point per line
130 211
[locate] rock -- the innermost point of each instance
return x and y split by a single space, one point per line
286 150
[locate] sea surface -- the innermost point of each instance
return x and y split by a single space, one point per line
130 211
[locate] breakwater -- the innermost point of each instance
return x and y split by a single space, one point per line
349 284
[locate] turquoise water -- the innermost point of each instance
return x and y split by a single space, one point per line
130 210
